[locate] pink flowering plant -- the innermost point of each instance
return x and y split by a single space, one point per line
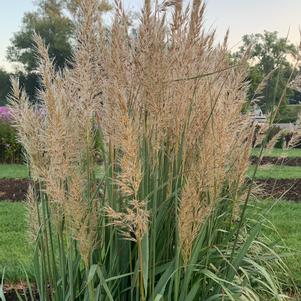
5 114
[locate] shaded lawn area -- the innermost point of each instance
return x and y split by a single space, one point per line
276 172
13 171
278 152
15 250
285 217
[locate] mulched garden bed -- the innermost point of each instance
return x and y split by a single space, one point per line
13 189
286 189
292 161
23 291
12 296
16 190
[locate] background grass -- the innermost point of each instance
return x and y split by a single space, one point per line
13 171
276 172
285 217
278 152
15 250
20 171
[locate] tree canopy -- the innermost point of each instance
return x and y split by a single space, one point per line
53 21
4 86
50 22
271 59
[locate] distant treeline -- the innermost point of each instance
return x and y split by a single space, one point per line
29 81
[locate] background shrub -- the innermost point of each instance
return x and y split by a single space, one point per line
289 114
10 148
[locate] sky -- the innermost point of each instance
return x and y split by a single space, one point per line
11 13
240 16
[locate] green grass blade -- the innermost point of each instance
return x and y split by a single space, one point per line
145 260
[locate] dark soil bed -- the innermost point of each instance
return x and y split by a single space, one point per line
293 161
12 296
13 189
16 190
286 189
23 291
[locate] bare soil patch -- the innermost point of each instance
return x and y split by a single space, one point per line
290 189
286 189
22 289
13 189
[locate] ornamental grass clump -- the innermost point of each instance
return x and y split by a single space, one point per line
166 218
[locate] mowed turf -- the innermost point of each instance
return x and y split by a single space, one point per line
20 171
15 249
284 217
278 152
276 172
13 171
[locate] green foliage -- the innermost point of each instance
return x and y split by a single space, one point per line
289 114
4 86
269 55
53 26
54 23
10 148
50 22
31 82
72 5
210 273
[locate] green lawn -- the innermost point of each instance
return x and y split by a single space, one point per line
278 152
19 171
15 250
285 217
276 172
13 171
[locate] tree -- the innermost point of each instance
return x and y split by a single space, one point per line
53 21
269 55
53 26
72 5
4 86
